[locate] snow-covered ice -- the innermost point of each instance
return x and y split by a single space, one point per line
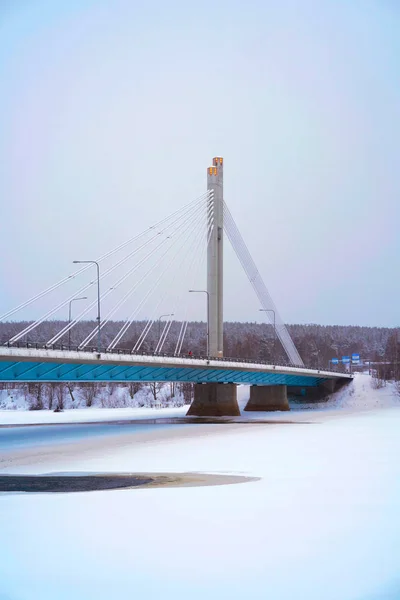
89 415
322 523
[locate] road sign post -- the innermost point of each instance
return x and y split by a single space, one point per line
355 360
346 361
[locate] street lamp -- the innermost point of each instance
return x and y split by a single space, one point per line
93 262
159 322
271 310
69 317
208 316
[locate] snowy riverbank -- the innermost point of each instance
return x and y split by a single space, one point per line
359 395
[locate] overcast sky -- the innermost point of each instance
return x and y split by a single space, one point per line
111 111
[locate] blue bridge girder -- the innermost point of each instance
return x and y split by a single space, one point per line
38 365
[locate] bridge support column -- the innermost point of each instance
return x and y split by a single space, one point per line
214 400
268 398
215 182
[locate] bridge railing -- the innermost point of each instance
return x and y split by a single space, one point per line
91 350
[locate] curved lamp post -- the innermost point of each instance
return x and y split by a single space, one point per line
93 262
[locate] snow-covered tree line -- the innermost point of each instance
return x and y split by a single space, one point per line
317 344
389 368
57 396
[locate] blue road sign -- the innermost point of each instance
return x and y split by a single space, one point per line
345 359
335 361
355 358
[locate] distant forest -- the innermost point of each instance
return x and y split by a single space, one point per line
317 344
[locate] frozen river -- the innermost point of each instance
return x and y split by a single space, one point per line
32 436
322 520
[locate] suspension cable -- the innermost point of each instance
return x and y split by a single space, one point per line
150 322
128 322
33 325
257 282
196 244
103 257
184 325
130 292
69 326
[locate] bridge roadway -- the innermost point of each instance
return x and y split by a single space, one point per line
48 365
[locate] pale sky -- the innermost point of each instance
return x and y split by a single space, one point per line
111 111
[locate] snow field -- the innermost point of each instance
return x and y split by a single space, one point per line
321 523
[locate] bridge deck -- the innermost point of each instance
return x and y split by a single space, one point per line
41 365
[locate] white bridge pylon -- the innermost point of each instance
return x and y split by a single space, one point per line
215 258
223 220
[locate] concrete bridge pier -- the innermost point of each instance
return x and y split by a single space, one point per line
268 398
214 400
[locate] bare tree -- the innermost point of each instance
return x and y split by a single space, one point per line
89 391
378 380
70 388
155 388
60 397
134 387
36 392
111 387
51 393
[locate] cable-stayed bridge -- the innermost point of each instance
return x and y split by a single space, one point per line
154 270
